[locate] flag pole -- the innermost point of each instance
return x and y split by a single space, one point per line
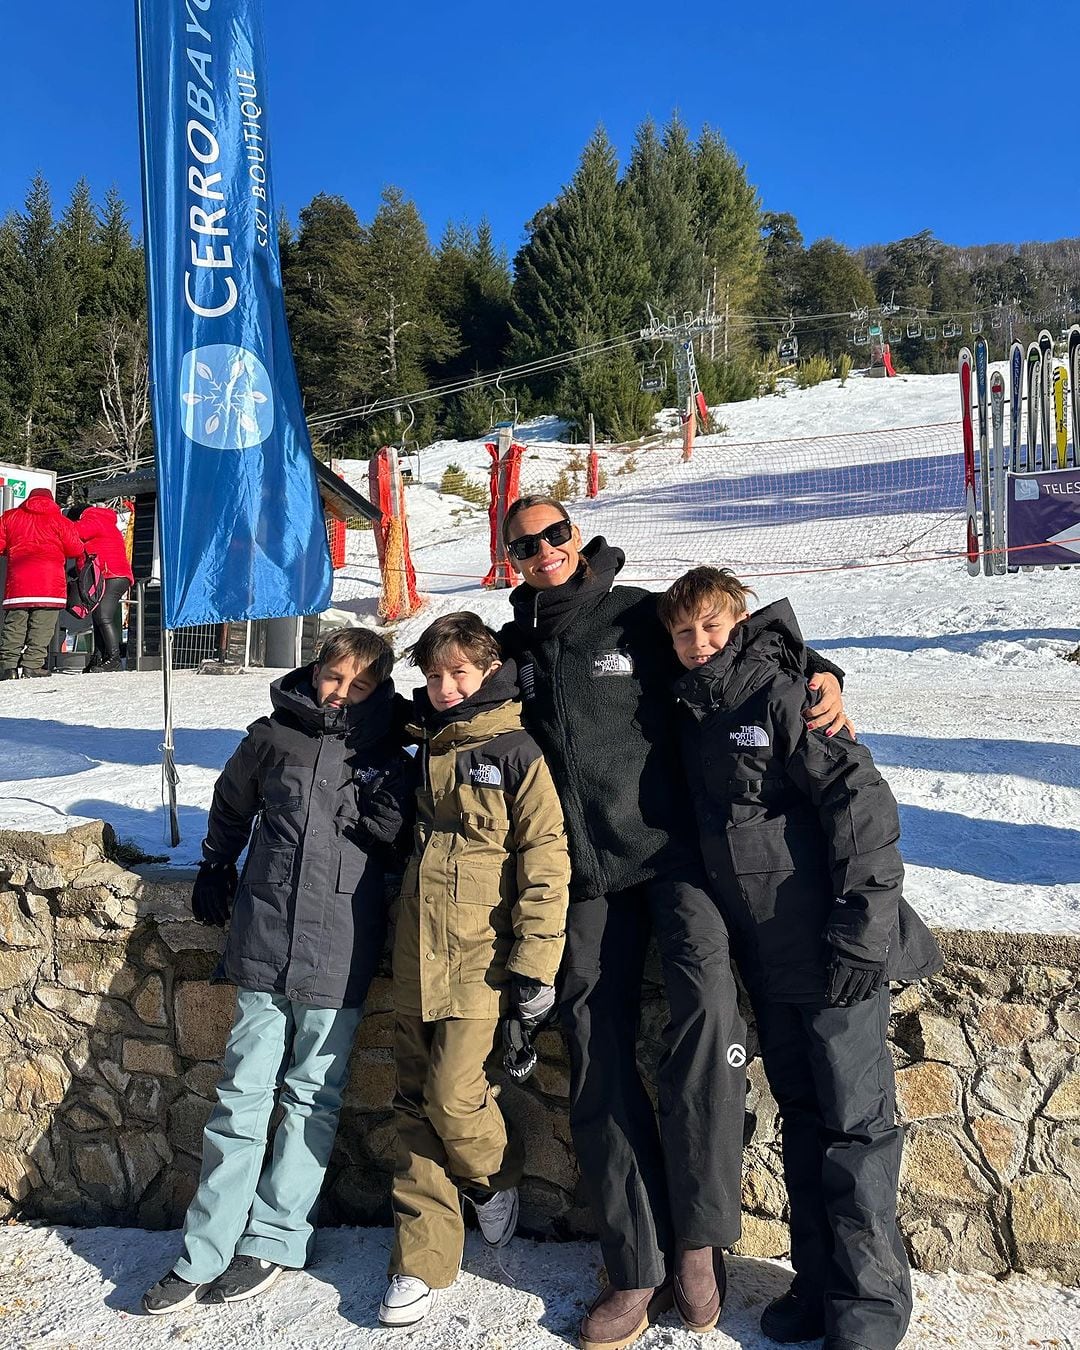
169 776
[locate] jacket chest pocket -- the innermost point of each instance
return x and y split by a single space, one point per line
483 837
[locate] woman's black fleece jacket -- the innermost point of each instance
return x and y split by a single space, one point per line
596 668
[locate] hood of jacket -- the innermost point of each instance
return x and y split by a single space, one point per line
476 718
294 696
96 521
550 612
40 502
769 638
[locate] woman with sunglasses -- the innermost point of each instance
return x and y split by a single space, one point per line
595 669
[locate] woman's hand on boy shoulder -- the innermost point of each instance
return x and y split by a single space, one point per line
828 713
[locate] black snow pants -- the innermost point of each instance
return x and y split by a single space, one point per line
831 1073
652 1184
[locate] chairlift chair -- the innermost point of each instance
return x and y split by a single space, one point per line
976 325
996 319
787 349
952 329
861 337
653 377
895 334
930 335
914 329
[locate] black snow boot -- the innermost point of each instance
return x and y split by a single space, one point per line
109 662
791 1320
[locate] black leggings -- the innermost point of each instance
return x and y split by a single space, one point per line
107 618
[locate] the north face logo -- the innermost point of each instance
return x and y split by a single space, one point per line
747 737
612 663
490 775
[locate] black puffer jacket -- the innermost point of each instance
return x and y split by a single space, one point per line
799 831
595 668
328 789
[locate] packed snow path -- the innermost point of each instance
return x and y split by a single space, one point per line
72 1289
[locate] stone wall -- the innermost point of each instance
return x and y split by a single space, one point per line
111 1036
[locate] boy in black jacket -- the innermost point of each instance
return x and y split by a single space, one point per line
326 784
799 834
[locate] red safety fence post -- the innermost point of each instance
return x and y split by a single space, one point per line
592 482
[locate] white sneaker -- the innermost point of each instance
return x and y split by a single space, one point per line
498 1217
407 1300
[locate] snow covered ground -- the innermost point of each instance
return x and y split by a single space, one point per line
956 683
72 1289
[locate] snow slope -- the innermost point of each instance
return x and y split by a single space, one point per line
77 1289
956 683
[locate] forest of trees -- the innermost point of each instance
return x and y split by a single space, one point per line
377 312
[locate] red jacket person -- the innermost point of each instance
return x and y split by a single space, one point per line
37 539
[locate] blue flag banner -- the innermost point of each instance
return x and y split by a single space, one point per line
242 534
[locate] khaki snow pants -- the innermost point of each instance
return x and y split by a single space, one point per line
451 1135
27 632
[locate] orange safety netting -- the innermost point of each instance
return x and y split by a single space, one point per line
505 479
335 534
400 598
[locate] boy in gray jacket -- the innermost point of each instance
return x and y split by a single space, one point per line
326 785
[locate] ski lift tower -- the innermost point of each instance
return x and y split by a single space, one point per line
680 332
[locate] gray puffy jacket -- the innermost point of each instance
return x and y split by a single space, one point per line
327 790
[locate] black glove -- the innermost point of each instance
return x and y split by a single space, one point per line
533 1002
212 894
531 1005
379 806
850 980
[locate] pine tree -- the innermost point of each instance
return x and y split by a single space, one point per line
122 289
40 310
118 418
471 289
782 245
830 280
727 226
661 193
407 334
324 278
583 277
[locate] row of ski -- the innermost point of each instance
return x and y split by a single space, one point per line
1040 387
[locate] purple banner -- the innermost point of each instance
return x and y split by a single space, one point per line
1044 518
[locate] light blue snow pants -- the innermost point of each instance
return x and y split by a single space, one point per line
278 1051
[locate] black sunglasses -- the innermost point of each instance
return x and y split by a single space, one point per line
528 545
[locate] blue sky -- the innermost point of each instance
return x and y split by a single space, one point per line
867 122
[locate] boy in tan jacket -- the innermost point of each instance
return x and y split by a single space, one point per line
480 932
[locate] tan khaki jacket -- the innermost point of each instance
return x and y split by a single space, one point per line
486 892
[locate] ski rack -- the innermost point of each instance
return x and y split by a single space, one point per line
1037 444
